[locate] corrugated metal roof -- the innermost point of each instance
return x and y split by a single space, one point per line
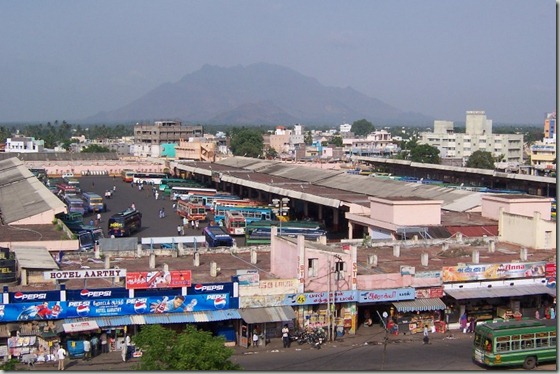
34 258
22 195
269 314
482 293
216 315
420 305
474 231
169 318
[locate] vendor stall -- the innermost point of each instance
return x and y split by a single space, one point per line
412 316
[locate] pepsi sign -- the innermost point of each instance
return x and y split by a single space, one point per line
27 297
203 288
92 294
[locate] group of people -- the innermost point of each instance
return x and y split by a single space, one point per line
467 324
92 346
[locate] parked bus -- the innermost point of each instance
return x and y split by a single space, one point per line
125 223
66 189
235 223
148 178
88 237
234 202
526 342
73 182
93 202
184 192
208 200
251 213
262 234
127 175
74 204
191 211
168 183
216 236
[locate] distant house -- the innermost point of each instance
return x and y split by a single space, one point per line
24 144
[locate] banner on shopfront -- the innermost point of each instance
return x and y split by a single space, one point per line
392 294
429 293
158 279
310 298
248 277
36 311
84 274
26 297
104 293
550 273
493 271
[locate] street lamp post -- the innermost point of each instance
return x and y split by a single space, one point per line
280 209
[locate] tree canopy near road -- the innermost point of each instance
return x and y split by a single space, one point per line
362 127
246 142
480 160
192 349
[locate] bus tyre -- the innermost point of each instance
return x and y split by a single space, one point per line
530 363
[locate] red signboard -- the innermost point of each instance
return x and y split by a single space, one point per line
158 279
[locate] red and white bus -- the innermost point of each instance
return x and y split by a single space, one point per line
191 211
235 223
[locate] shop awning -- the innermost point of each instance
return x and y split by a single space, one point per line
419 305
269 314
167 318
80 326
509 291
216 315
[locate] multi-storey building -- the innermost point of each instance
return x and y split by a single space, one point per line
543 153
198 149
24 144
478 136
165 132
378 143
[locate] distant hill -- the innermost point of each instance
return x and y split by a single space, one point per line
258 94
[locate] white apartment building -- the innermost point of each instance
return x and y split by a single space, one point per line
346 127
543 153
478 136
377 143
24 144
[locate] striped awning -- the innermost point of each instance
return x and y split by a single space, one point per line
166 318
419 305
269 314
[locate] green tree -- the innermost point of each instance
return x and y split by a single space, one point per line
271 153
337 141
362 127
246 142
192 349
481 160
95 148
308 138
425 154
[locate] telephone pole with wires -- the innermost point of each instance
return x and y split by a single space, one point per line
385 340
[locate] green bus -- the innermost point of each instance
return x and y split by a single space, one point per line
168 183
526 342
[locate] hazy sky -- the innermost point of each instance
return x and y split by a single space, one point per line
69 59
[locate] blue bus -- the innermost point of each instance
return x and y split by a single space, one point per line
74 204
217 236
262 234
251 213
93 202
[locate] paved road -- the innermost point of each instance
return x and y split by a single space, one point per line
145 202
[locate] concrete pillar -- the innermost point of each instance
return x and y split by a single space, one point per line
335 219
96 253
396 250
424 259
181 249
523 254
253 256
459 237
323 240
475 256
213 269
491 246
107 262
24 277
372 260
196 259
152 261
350 230
445 246
139 250
165 268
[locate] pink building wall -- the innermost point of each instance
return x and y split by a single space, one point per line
380 281
406 211
524 206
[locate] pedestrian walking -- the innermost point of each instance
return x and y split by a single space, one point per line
196 224
286 336
185 221
104 345
183 230
132 206
192 223
98 217
156 195
179 229
94 346
255 338
162 212
61 355
87 350
123 352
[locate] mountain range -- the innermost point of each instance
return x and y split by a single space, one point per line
257 94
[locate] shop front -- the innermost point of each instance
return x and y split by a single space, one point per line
413 315
374 305
266 323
